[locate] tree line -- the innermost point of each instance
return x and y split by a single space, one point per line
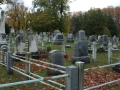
49 15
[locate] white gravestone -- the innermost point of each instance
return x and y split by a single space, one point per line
19 45
33 43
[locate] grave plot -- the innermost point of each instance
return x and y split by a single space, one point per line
97 72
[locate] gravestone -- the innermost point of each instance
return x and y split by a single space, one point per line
19 45
105 38
117 67
56 31
13 35
81 49
59 38
92 38
2 29
99 37
56 57
70 38
114 42
33 46
101 44
45 38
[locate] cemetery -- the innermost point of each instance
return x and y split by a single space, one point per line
82 70
42 52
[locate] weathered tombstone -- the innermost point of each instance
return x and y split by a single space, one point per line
59 38
2 29
105 38
70 38
114 42
101 44
19 45
92 38
56 57
56 31
45 38
117 67
81 49
99 37
33 46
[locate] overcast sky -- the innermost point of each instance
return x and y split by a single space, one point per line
84 5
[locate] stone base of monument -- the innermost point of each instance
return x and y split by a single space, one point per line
67 46
35 55
58 42
100 50
52 72
70 40
116 68
85 59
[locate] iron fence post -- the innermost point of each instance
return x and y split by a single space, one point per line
9 62
28 66
80 66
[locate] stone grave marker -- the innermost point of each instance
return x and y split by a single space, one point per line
114 42
33 46
81 49
2 29
59 38
56 57
105 38
19 45
101 44
70 38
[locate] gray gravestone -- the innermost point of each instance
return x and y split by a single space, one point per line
33 46
92 38
56 57
101 44
58 39
70 38
19 45
105 38
81 49
2 29
114 42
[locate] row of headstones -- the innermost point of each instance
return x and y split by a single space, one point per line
103 40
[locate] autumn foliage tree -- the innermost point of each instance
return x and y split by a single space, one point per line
55 13
16 16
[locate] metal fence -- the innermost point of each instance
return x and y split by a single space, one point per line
74 74
7 61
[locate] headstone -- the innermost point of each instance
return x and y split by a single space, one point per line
56 57
2 29
56 31
59 38
81 49
114 42
45 38
101 44
33 46
105 38
70 38
92 38
19 45
99 37
117 67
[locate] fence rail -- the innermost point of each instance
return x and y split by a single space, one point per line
73 74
